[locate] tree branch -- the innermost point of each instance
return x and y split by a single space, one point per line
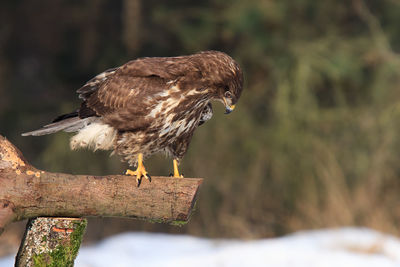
26 192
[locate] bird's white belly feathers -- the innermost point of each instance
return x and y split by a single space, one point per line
96 135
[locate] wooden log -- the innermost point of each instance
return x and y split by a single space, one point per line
51 242
26 192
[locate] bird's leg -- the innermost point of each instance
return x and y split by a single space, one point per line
176 171
140 171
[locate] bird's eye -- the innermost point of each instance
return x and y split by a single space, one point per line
228 94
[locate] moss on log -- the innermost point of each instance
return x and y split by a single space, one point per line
51 242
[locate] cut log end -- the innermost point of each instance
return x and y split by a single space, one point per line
7 213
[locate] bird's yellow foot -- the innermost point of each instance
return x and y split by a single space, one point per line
176 171
140 171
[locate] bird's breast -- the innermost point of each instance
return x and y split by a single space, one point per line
171 121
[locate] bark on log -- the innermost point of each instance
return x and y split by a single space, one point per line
51 242
26 192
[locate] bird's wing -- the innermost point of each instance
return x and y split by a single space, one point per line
129 93
93 84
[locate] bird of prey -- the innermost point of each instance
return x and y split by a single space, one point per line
150 105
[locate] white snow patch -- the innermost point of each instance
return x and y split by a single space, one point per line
351 247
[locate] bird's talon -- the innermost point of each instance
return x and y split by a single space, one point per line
140 171
171 175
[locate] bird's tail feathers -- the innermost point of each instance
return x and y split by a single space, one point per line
68 124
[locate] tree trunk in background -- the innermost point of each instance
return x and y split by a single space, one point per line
131 15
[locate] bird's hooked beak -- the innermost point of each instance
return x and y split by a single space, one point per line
228 108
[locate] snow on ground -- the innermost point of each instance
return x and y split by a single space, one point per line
344 247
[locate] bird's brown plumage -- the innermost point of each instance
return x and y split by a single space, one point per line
150 105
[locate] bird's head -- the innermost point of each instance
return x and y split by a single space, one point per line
230 91
225 78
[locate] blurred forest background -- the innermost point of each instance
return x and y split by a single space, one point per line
314 141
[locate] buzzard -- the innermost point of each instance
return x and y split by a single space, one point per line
150 105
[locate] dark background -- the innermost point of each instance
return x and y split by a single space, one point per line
314 141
